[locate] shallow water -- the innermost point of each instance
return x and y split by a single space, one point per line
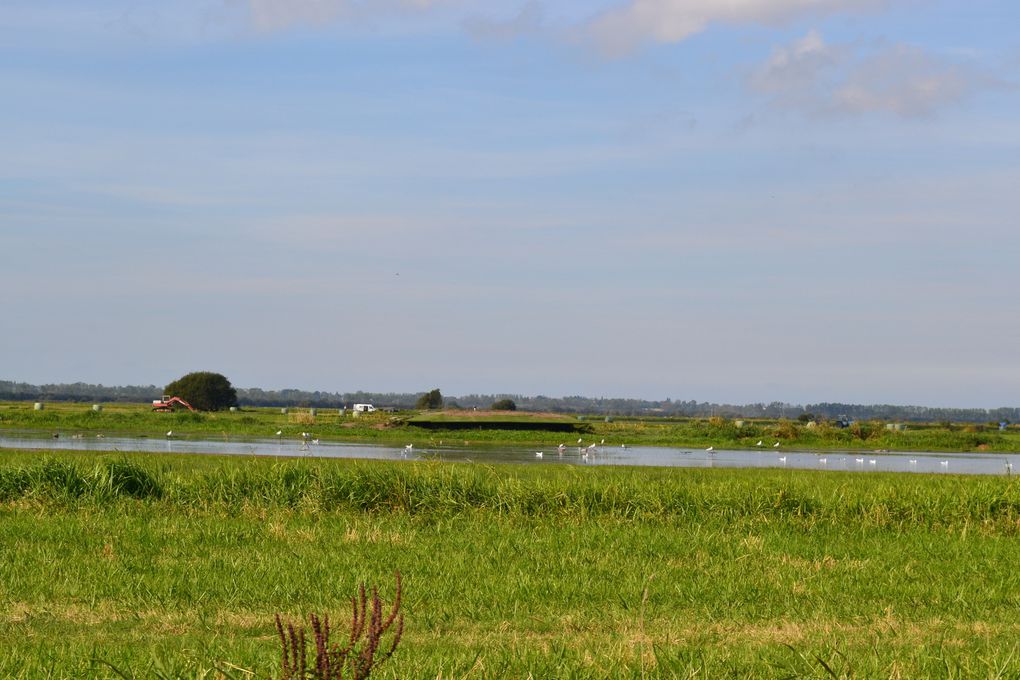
852 461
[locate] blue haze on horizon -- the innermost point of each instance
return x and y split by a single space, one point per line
792 200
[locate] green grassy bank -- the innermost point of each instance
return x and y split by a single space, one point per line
459 427
174 566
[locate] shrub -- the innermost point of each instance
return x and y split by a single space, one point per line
504 405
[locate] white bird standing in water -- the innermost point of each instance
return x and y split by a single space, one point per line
711 449
538 454
169 434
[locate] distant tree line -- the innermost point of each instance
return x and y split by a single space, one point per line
18 391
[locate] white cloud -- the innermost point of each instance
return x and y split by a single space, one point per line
822 79
906 81
620 30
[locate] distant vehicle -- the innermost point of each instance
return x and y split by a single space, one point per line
167 404
364 408
842 422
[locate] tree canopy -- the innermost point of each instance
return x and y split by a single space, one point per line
204 390
504 405
430 400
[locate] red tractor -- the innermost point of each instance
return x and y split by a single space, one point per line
167 404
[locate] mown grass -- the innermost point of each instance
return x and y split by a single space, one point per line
173 566
66 418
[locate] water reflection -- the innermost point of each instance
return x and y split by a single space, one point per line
884 461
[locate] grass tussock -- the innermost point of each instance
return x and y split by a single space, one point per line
444 489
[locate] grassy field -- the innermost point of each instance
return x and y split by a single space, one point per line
71 418
174 566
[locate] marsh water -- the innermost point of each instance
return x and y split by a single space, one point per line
853 461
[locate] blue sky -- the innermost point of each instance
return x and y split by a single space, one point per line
753 200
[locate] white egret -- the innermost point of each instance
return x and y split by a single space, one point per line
711 449
759 443
782 459
538 454
776 445
169 434
823 461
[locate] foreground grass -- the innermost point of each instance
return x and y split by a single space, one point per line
174 566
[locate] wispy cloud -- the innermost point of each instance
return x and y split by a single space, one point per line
527 20
270 15
621 30
904 80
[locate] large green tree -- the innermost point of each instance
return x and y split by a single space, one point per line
204 390
433 399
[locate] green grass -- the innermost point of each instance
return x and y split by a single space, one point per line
69 418
173 566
